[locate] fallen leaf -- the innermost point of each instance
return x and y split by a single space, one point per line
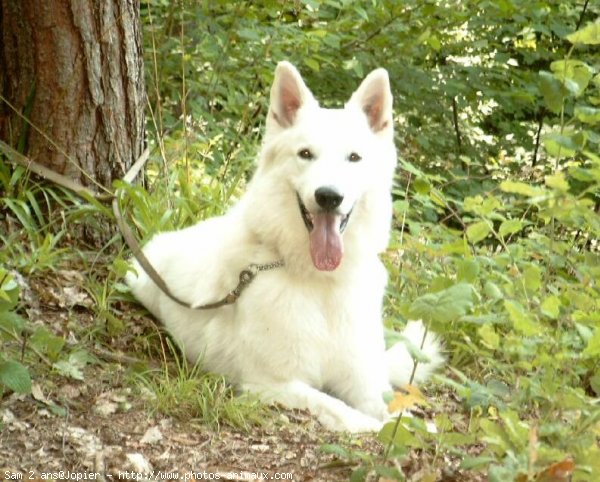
152 435
558 472
409 397
138 463
36 392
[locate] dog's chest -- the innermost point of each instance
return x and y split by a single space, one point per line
302 328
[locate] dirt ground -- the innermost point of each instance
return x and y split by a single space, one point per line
100 428
131 445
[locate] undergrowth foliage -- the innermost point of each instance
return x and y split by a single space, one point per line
496 229
188 394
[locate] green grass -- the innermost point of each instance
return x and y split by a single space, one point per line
187 393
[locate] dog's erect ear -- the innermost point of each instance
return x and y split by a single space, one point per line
374 98
288 94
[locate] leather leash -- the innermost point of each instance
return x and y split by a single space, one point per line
246 276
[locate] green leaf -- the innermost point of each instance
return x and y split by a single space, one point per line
522 322
444 306
480 206
478 231
595 383
335 450
434 43
593 346
552 90
521 188
11 322
498 388
120 267
401 207
489 205
469 463
473 204
47 342
421 185
313 64
501 473
557 181
423 36
402 437
440 283
587 115
493 434
481 319
390 473
517 431
532 278
510 226
492 290
588 35
584 332
559 145
458 246
69 369
550 307
575 75
489 336
362 12
9 291
73 366
360 474
443 423
15 376
415 351
438 198
468 270
248 34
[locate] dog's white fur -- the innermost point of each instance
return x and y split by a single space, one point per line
305 337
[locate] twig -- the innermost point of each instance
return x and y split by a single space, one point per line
49 174
399 419
64 433
23 346
53 144
580 21
378 30
456 128
16 337
118 357
184 94
537 139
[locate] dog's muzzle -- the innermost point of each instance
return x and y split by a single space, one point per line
308 218
325 228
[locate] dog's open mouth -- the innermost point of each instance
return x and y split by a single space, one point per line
325 230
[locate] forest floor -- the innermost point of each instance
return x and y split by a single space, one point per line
103 424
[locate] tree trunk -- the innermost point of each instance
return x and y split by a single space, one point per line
74 69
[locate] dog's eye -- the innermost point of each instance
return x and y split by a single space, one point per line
306 154
354 157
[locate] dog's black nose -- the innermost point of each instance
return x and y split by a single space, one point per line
328 198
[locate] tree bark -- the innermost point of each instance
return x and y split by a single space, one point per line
74 69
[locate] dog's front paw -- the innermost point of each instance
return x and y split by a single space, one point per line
375 408
354 422
364 423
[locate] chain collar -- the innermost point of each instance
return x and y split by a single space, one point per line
246 277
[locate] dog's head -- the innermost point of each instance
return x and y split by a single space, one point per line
332 159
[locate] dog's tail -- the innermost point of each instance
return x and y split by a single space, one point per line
400 361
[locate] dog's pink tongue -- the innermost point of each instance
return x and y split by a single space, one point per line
326 246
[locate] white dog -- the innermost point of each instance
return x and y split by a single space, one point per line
308 334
